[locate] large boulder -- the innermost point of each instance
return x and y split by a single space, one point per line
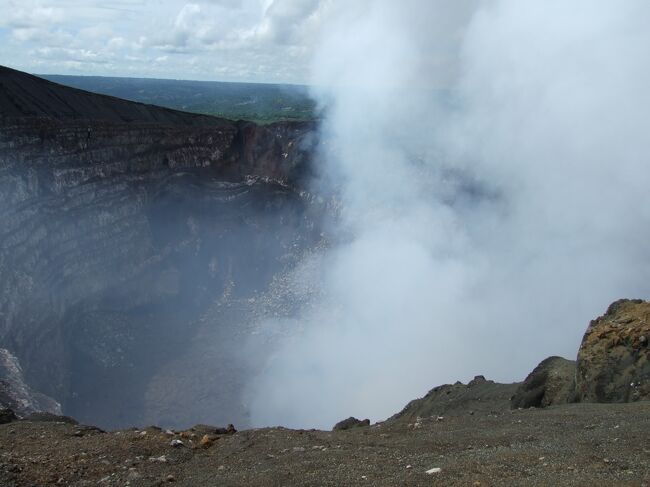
7 415
552 382
614 358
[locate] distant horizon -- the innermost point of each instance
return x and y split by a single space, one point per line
165 79
258 102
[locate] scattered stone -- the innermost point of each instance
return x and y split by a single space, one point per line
433 470
133 474
207 441
161 459
176 443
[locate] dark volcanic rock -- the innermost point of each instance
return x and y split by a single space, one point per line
7 416
479 395
350 423
24 95
551 383
614 358
204 429
125 229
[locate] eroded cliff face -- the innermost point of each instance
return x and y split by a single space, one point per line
16 394
116 239
613 363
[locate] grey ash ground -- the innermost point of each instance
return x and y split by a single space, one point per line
573 444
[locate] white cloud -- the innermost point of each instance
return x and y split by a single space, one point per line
30 14
237 39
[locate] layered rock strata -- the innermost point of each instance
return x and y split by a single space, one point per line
121 224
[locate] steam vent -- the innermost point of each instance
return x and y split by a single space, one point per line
241 240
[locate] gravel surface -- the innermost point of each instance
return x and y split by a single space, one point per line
576 444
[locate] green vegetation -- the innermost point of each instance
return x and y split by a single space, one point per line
262 103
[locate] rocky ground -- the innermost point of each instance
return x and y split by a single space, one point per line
575 444
479 434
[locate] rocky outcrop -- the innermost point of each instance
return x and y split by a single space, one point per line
614 358
351 423
16 395
613 363
122 225
552 382
7 415
479 395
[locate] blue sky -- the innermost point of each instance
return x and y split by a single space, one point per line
232 40
229 40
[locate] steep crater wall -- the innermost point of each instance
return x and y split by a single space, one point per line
115 238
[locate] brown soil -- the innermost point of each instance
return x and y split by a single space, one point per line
574 444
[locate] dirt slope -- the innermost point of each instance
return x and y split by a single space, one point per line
576 444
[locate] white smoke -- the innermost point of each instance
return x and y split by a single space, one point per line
485 224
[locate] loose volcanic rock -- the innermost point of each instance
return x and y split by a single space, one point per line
350 423
552 382
614 359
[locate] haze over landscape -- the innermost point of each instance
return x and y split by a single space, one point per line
264 227
289 212
478 238
485 216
